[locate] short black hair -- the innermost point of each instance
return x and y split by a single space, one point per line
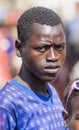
39 15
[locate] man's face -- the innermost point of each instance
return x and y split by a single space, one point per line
45 51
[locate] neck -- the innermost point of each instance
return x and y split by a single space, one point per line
29 80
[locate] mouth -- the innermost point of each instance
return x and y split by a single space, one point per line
52 69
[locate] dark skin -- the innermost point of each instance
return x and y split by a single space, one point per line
42 56
72 120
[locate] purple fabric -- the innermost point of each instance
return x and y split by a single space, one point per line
22 109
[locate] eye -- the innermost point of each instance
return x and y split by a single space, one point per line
40 49
43 48
59 47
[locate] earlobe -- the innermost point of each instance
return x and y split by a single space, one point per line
18 53
66 118
18 48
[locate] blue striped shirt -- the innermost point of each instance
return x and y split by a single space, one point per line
23 109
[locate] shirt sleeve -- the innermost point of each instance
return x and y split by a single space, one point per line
7 122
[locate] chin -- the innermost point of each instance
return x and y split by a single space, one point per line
50 79
53 79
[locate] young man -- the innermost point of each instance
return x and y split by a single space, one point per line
28 101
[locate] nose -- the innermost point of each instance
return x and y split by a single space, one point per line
52 55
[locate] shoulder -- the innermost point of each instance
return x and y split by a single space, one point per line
7 95
7 89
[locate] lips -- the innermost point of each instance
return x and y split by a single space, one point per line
52 69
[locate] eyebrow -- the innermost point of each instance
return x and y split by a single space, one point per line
50 43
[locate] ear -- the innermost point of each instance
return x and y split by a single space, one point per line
18 47
66 118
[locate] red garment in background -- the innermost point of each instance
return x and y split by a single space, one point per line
4 68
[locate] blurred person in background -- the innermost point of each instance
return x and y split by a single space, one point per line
74 72
71 66
11 61
5 47
72 31
71 104
4 68
28 101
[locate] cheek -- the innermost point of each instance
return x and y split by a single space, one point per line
38 62
63 56
73 123
36 58
35 62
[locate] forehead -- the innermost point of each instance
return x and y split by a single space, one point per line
75 103
47 30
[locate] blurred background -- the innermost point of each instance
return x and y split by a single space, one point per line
10 11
